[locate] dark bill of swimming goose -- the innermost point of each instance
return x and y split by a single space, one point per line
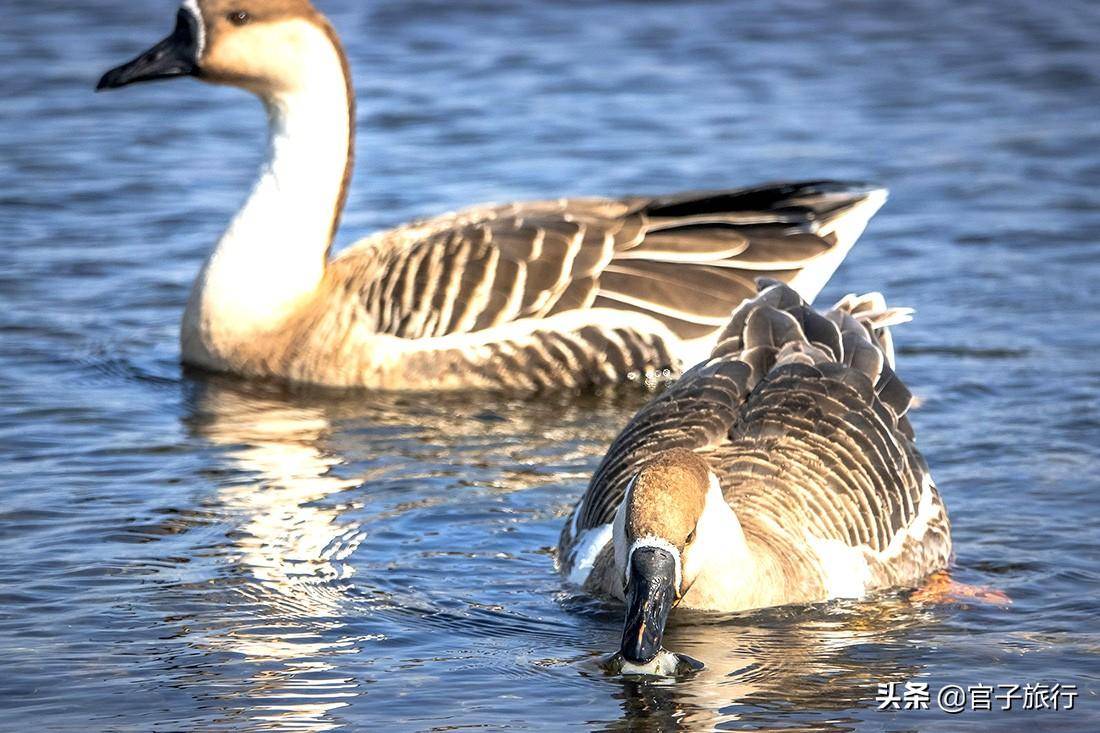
173 56
651 594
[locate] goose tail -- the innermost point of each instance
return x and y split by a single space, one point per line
843 214
777 328
797 233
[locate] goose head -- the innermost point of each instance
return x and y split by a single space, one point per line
264 46
661 539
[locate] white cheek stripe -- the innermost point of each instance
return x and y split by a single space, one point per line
661 544
192 6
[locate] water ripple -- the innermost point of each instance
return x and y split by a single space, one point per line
189 552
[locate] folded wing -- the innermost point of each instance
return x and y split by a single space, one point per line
684 260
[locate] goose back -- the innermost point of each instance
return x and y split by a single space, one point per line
802 418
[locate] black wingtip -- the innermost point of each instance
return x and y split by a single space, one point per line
774 196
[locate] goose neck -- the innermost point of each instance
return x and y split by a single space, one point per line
272 256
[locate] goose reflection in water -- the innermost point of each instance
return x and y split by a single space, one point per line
287 550
283 594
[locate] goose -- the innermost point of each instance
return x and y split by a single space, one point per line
782 470
556 294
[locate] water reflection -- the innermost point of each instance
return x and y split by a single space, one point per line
287 490
288 547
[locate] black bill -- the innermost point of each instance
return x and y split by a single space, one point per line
651 594
174 56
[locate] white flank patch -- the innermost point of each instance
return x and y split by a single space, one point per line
586 549
843 567
845 570
607 319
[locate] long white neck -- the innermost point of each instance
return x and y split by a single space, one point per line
273 254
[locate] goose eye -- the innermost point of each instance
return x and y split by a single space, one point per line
238 17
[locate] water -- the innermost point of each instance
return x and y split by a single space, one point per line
180 552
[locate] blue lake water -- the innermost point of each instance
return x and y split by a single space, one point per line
186 553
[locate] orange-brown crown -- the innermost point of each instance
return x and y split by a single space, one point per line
668 497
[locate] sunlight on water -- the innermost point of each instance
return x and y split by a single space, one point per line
292 550
186 552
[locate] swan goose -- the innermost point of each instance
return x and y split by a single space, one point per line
782 470
569 293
